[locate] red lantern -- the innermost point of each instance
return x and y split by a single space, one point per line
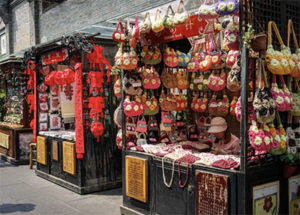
97 130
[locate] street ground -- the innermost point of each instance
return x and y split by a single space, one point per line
22 192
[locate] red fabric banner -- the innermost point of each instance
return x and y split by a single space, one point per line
79 130
55 56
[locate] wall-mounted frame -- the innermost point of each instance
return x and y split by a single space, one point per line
41 148
266 198
294 194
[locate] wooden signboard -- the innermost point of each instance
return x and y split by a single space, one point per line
4 140
54 150
137 178
211 193
41 148
69 160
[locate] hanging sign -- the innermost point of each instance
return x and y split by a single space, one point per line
55 56
211 193
137 178
193 27
79 111
41 150
69 160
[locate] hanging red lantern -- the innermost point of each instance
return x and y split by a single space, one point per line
96 81
97 130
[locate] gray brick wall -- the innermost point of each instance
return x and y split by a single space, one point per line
22 26
72 15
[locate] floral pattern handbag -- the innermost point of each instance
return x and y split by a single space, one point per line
151 79
295 58
295 111
167 102
168 79
150 105
181 102
232 35
170 58
199 104
218 107
234 78
232 58
169 18
229 7
119 36
182 79
151 55
157 24
126 60
183 59
141 125
282 97
278 62
263 103
145 25
181 17
259 138
133 108
208 11
279 143
217 82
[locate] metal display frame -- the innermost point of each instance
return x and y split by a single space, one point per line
244 179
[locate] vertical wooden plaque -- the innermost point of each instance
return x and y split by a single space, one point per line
137 178
55 150
41 150
69 160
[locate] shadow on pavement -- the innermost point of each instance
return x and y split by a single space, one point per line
11 208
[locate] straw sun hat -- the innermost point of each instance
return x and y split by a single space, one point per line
218 124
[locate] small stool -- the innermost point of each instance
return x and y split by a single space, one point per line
32 150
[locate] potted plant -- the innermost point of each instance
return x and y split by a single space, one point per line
291 162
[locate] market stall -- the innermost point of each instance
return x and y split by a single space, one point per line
208 122
15 132
72 105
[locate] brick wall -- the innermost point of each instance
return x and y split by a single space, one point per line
72 15
22 26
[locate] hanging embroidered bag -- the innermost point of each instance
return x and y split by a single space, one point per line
217 82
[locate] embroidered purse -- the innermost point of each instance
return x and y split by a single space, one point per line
182 79
277 61
132 108
217 82
117 88
215 53
169 18
259 138
168 79
152 124
145 25
207 11
132 85
130 126
205 60
193 65
141 125
263 103
181 102
181 18
232 35
167 102
218 107
126 60
151 55
170 58
295 58
119 36
234 78
295 111
166 117
141 140
183 59
151 79
279 144
229 7
282 97
157 24
150 105
232 57
199 104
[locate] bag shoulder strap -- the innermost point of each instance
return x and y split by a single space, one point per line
291 30
181 5
273 25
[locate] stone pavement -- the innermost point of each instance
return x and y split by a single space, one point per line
22 192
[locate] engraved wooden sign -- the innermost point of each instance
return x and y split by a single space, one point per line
211 193
69 160
41 150
137 178
4 140
55 150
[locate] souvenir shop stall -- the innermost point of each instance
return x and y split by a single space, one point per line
209 121
15 133
72 105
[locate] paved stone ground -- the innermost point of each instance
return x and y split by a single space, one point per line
22 192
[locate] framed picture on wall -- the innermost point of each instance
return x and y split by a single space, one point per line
43 117
54 103
294 195
266 199
43 126
55 122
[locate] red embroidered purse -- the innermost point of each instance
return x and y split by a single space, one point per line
217 82
119 36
